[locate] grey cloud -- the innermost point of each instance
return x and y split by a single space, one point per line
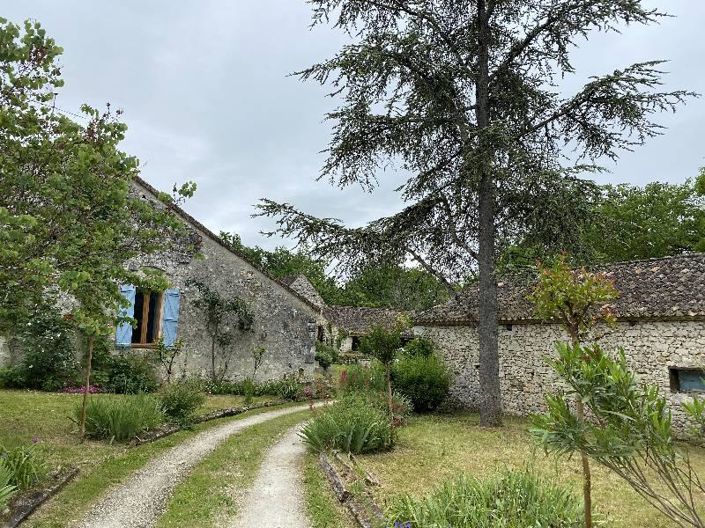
207 98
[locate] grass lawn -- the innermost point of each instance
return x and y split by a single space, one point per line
434 448
44 417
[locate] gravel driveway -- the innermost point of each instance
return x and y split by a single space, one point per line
276 499
138 502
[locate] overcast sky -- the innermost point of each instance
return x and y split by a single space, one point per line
205 91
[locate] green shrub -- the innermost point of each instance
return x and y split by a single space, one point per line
289 388
249 388
326 355
513 499
351 425
419 346
49 360
25 466
180 401
121 417
130 374
425 380
7 490
355 378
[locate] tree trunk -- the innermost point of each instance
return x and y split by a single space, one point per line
587 477
89 366
490 396
574 331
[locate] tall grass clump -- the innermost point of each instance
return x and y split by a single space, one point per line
355 378
353 425
512 499
7 489
181 400
121 418
25 466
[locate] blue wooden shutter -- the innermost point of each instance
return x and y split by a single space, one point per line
123 334
170 321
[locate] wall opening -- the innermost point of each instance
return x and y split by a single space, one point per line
686 379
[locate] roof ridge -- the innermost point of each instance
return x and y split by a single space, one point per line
190 219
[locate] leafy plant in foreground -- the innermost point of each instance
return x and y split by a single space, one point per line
121 418
26 466
512 499
629 430
7 490
351 425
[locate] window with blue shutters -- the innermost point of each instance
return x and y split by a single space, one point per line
170 320
156 316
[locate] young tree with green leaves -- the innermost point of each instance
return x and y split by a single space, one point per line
465 97
69 222
630 431
227 318
383 344
578 300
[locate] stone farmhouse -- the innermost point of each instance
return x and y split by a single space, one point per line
284 325
661 327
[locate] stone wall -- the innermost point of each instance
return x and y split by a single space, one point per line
284 324
651 349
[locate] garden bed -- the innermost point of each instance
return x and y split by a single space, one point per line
432 449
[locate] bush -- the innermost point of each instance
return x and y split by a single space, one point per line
130 374
425 380
288 388
513 499
7 490
180 401
352 425
48 356
121 417
357 378
249 388
26 468
419 346
326 355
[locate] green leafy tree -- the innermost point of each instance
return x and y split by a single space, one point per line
384 344
395 287
463 96
656 220
68 220
227 318
578 300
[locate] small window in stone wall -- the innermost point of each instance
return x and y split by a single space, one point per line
687 379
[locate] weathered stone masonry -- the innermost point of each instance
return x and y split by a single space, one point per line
661 314
651 348
284 322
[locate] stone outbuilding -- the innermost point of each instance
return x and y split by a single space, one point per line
660 325
284 321
348 324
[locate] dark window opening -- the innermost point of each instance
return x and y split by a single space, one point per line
355 343
148 306
686 379
321 334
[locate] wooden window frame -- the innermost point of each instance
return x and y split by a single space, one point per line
144 328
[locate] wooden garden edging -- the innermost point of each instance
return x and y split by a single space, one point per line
156 434
358 510
27 503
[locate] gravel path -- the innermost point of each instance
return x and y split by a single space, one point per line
138 502
276 499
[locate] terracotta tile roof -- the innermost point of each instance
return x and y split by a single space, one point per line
657 289
359 320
